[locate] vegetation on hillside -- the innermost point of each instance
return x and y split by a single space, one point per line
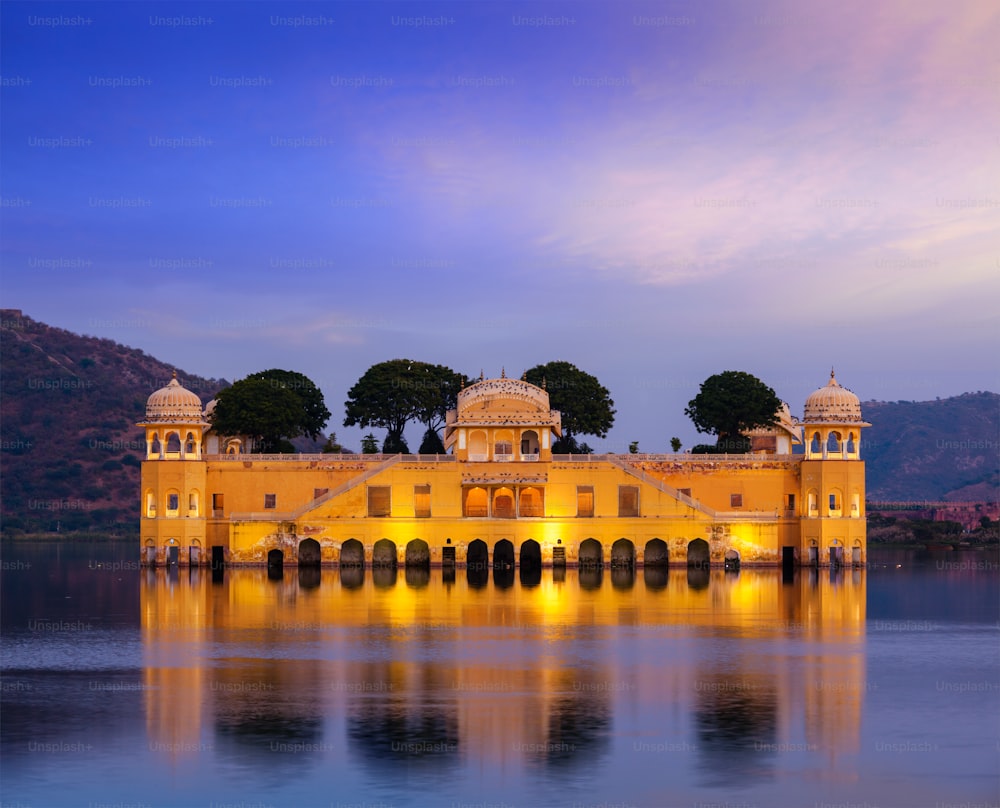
70 448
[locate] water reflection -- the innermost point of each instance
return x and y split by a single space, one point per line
558 687
429 667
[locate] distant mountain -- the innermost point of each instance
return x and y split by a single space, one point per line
69 445
70 449
944 450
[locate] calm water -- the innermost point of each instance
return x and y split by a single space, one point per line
132 688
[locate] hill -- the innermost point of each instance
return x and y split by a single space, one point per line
68 408
933 450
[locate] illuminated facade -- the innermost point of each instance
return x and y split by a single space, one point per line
500 497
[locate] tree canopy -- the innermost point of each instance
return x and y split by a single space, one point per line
391 394
730 404
269 407
586 406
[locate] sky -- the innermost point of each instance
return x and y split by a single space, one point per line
655 192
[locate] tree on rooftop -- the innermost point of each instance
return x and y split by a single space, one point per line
585 405
391 394
729 405
269 407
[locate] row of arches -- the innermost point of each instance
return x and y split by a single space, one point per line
590 554
834 504
173 444
174 504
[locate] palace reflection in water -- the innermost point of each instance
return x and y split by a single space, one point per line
504 671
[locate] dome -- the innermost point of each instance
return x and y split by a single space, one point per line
173 404
833 404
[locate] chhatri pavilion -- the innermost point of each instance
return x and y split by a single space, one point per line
499 496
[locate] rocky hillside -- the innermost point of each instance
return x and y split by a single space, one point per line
68 408
947 449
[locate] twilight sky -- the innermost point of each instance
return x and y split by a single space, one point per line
655 192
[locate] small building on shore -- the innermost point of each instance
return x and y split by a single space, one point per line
500 497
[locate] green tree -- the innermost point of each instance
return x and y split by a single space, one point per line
586 406
391 394
633 447
369 445
675 444
728 405
270 407
431 443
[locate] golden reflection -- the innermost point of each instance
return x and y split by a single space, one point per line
385 666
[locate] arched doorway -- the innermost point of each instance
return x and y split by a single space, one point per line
531 555
384 554
732 560
478 556
698 553
352 554
591 554
622 554
309 553
418 554
275 559
503 555
655 554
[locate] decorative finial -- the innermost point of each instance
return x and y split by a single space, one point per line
831 371
175 374
503 372
482 376
524 376
544 384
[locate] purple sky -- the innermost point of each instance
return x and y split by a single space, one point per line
654 192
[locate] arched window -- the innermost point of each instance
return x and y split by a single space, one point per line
189 444
856 504
173 502
530 502
852 446
529 443
477 446
193 503
173 443
476 502
503 503
836 502
812 502
833 443
503 445
815 447
150 503
155 447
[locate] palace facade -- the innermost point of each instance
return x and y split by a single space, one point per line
501 497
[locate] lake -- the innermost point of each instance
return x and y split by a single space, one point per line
861 687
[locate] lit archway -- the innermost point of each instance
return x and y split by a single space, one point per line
656 553
503 503
503 555
531 555
418 554
622 553
310 554
591 554
384 554
352 554
478 555
698 554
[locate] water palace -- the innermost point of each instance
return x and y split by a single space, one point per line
500 497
